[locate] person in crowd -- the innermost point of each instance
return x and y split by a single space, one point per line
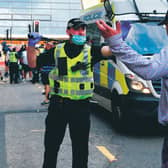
6 51
46 62
6 55
13 66
35 71
72 85
1 76
24 62
149 69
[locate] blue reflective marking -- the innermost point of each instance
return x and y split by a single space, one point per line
111 75
96 70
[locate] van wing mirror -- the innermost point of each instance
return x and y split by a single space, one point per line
165 21
108 9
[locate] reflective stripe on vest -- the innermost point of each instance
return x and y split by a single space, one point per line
12 57
70 79
75 92
75 85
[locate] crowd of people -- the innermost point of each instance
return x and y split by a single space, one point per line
17 69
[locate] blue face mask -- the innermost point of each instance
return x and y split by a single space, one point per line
78 39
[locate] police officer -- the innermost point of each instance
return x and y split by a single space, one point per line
72 86
13 66
148 69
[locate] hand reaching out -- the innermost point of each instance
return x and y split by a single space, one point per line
108 31
34 38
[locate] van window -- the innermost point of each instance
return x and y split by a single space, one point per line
145 38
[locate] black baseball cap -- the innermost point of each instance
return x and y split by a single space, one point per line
76 23
165 21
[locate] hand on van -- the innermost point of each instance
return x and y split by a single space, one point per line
108 31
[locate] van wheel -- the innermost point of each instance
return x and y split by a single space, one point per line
117 111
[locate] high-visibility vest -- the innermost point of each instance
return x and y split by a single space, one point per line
76 85
12 57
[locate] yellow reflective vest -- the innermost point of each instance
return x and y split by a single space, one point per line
76 85
12 57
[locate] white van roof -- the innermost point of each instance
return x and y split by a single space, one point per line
149 6
145 8
141 6
129 10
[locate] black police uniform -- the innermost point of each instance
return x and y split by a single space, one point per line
75 113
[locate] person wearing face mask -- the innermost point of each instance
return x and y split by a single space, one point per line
72 85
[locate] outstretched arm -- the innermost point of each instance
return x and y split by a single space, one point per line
146 68
33 39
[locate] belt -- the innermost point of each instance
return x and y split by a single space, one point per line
64 99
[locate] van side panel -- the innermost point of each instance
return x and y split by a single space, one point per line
97 73
104 73
121 79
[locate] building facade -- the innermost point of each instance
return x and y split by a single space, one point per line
16 15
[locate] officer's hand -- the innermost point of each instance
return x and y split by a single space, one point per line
79 66
33 38
83 66
106 30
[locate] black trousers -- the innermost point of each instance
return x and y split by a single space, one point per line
76 114
13 72
35 77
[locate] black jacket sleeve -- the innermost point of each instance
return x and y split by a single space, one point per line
97 55
46 58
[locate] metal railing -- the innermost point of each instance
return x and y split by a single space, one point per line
25 17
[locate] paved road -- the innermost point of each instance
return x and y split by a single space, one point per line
21 125
21 97
22 131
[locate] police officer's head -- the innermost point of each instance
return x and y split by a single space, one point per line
76 29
